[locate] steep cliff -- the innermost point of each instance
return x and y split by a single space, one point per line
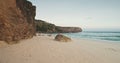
16 20
44 27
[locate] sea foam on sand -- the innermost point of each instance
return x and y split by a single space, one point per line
44 49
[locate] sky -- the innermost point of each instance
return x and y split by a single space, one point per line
79 13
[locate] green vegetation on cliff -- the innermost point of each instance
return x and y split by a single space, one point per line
45 27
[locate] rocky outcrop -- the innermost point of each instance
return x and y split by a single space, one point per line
16 20
68 29
62 38
44 27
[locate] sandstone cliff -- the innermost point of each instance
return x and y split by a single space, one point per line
44 27
16 20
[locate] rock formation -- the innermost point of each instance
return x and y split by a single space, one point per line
16 20
68 29
44 27
62 38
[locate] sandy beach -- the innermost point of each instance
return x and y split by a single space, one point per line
44 49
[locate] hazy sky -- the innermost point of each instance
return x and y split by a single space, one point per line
81 13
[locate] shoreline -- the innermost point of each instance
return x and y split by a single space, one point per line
44 49
97 40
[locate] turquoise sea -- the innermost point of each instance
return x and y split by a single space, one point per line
95 35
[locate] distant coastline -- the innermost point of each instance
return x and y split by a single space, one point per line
45 27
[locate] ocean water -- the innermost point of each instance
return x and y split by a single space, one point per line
105 36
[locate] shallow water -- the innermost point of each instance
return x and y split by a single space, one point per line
107 36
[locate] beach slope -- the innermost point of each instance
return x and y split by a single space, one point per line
44 49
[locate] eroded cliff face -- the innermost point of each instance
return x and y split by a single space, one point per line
16 20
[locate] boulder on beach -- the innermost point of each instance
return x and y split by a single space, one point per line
62 38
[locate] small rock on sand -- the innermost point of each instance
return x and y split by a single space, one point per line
62 38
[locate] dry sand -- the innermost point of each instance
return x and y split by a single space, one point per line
43 49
